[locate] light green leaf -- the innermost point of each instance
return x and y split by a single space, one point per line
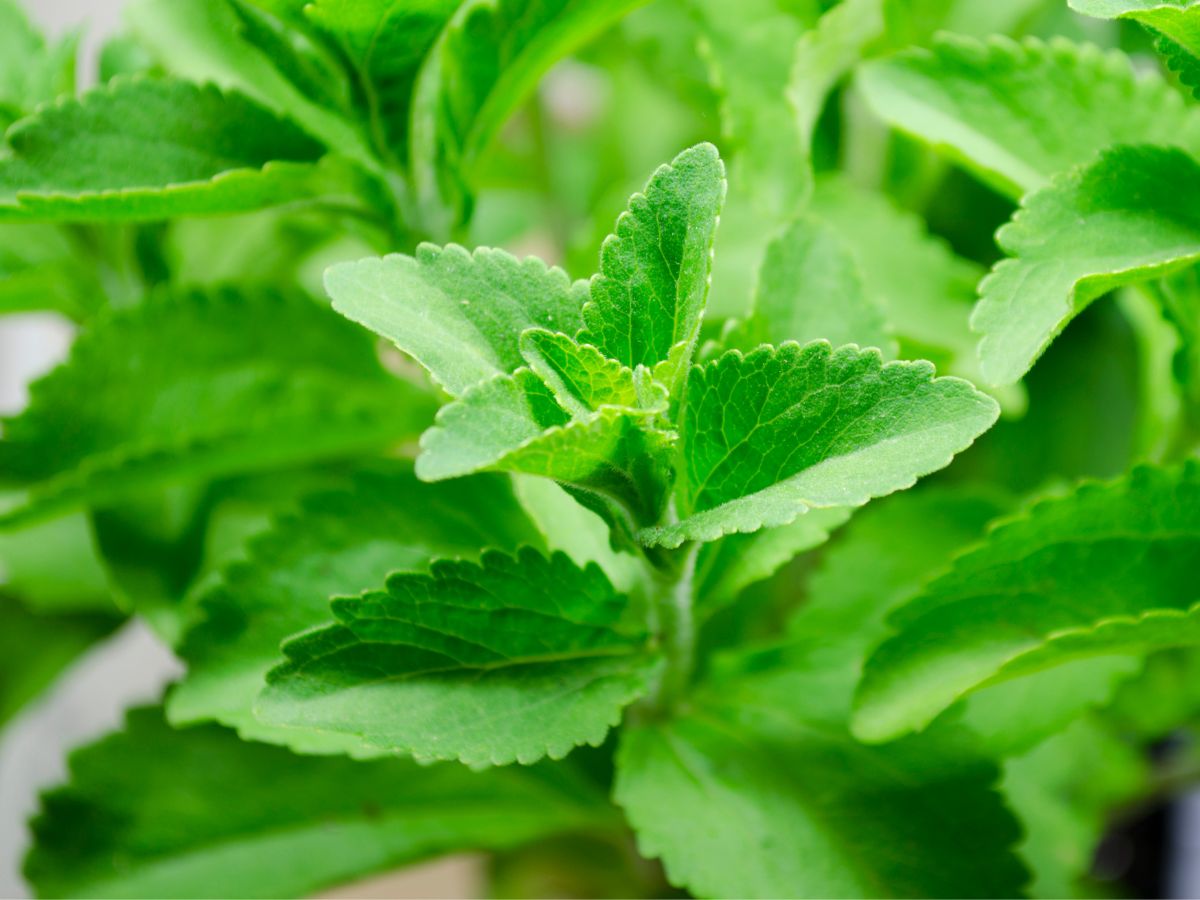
883 557
144 149
31 71
337 543
41 268
1178 19
773 434
202 41
1104 571
283 37
648 299
510 660
727 567
152 812
827 53
1065 792
758 790
1019 113
386 42
35 649
1128 217
587 422
459 313
490 56
923 288
53 567
809 288
193 386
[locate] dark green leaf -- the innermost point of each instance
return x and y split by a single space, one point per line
152 812
337 543
510 660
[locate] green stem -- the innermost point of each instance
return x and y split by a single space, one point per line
674 613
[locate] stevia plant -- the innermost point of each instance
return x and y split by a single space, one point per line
815 545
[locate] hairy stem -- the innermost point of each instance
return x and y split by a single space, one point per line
673 609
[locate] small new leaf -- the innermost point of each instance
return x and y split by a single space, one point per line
648 299
510 660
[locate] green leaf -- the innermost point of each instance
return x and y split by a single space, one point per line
809 288
1177 58
727 567
336 543
1018 114
143 149
1178 19
510 660
490 56
923 288
882 558
152 812
386 42
41 268
203 41
1065 792
282 37
758 790
825 54
1128 217
1104 571
193 386
586 421
648 299
35 649
459 313
773 434
31 71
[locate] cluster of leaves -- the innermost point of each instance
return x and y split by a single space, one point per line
626 581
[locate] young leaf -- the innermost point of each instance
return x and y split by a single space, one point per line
773 434
193 386
386 42
1178 19
491 54
809 288
336 543
146 149
648 299
1128 217
459 313
759 791
510 660
34 649
1104 571
586 421
152 812
1019 113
